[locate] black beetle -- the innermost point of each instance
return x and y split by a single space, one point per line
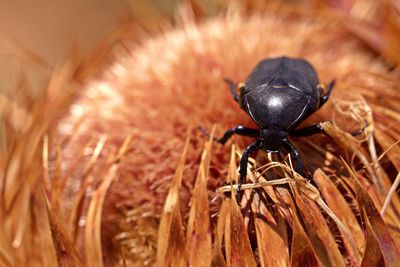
278 95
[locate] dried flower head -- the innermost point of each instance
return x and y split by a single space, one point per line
129 179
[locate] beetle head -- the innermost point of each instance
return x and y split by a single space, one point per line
273 139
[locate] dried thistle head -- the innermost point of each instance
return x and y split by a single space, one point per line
122 185
174 82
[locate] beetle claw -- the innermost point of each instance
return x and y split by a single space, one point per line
360 131
206 133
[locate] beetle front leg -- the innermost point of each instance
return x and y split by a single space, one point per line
309 130
243 164
361 130
233 88
239 130
325 97
295 156
317 128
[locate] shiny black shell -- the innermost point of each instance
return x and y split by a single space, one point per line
280 93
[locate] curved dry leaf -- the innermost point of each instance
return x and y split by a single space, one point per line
378 228
78 202
11 183
64 246
175 252
272 240
171 239
340 207
372 255
198 237
345 140
302 251
237 244
93 251
217 256
20 216
318 232
6 250
392 152
42 228
232 168
379 235
271 228
386 141
390 194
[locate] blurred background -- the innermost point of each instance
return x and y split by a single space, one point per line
51 29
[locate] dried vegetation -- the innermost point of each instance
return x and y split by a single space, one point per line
99 158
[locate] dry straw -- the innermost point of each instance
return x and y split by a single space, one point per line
96 170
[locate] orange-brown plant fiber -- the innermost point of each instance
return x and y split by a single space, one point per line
114 157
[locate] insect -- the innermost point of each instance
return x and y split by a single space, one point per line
278 95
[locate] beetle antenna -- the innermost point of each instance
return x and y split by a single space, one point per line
233 88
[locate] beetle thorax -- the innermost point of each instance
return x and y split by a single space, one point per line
273 139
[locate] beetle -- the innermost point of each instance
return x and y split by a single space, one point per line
278 95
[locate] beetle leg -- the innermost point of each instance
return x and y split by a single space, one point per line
233 88
309 130
360 131
325 97
317 128
239 130
295 156
243 164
